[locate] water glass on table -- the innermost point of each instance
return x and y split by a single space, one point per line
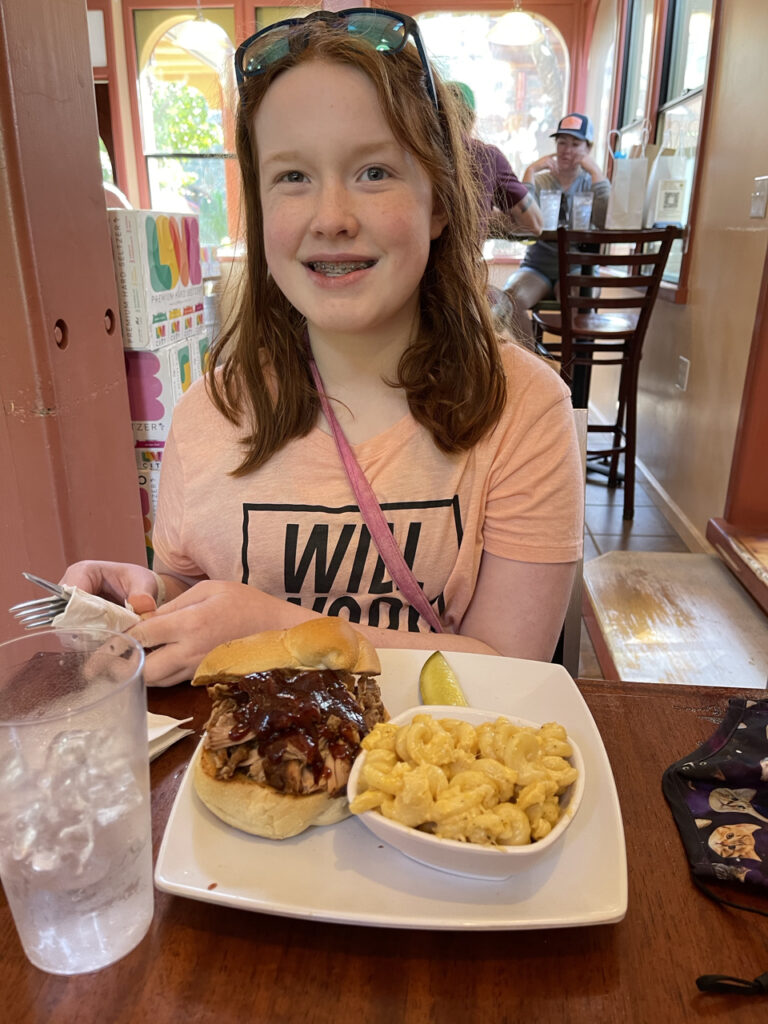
75 821
549 204
581 211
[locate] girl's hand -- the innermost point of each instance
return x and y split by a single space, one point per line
184 630
116 581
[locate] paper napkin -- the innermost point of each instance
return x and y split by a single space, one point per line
85 610
163 731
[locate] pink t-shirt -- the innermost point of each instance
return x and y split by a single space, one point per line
293 528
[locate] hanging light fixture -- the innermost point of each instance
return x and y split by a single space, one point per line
516 28
202 39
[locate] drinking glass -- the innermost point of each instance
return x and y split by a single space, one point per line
75 823
581 211
549 204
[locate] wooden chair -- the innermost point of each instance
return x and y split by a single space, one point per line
568 650
593 329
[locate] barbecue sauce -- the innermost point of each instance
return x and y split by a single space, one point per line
301 707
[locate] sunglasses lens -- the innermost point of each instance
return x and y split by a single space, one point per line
382 32
263 52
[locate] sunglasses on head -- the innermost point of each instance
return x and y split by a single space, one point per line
385 31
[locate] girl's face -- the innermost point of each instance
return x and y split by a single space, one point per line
570 152
348 213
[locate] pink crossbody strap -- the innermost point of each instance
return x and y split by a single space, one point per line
371 512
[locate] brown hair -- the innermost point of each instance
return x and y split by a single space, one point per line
451 372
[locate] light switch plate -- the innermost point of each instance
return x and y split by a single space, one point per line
759 197
683 369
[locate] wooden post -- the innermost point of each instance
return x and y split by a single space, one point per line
70 484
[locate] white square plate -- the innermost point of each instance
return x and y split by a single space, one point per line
343 873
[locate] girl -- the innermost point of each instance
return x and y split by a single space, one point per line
569 170
361 219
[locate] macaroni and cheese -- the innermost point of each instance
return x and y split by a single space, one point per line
493 784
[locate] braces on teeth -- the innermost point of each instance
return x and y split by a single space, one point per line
339 269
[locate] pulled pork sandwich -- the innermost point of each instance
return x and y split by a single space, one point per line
290 708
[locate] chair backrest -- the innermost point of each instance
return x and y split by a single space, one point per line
616 333
569 645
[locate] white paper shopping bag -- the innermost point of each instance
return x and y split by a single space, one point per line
669 184
628 183
625 205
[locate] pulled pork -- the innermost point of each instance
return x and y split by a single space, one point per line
297 731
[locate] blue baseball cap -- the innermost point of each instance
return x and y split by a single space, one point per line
577 125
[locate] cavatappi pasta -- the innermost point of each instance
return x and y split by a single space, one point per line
493 784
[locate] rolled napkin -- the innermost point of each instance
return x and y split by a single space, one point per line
163 731
85 610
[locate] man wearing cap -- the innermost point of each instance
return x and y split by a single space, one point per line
569 170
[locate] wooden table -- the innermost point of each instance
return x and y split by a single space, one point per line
206 963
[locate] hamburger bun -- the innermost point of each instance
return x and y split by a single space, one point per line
318 643
261 810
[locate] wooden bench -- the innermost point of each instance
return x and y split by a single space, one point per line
674 618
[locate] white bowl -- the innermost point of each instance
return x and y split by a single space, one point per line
470 859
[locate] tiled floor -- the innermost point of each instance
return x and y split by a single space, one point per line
606 530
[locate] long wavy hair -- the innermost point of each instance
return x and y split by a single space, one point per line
451 372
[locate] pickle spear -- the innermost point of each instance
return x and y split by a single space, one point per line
438 683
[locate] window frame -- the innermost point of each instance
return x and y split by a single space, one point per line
661 57
244 25
627 67
107 76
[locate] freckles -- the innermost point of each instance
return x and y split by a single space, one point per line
407 221
279 230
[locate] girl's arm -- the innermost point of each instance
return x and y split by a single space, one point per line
518 608
182 632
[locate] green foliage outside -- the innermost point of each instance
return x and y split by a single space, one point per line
182 120
184 123
106 163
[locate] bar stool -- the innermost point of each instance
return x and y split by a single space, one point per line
595 330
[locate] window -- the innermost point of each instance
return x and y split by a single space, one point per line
684 72
676 104
637 62
186 85
688 47
517 66
107 171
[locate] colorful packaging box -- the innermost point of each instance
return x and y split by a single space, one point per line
148 460
156 381
159 276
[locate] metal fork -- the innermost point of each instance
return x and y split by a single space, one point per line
43 610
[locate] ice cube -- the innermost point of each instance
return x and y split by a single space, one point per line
12 774
76 842
70 749
45 861
59 825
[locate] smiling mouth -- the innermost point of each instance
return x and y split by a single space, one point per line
339 269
